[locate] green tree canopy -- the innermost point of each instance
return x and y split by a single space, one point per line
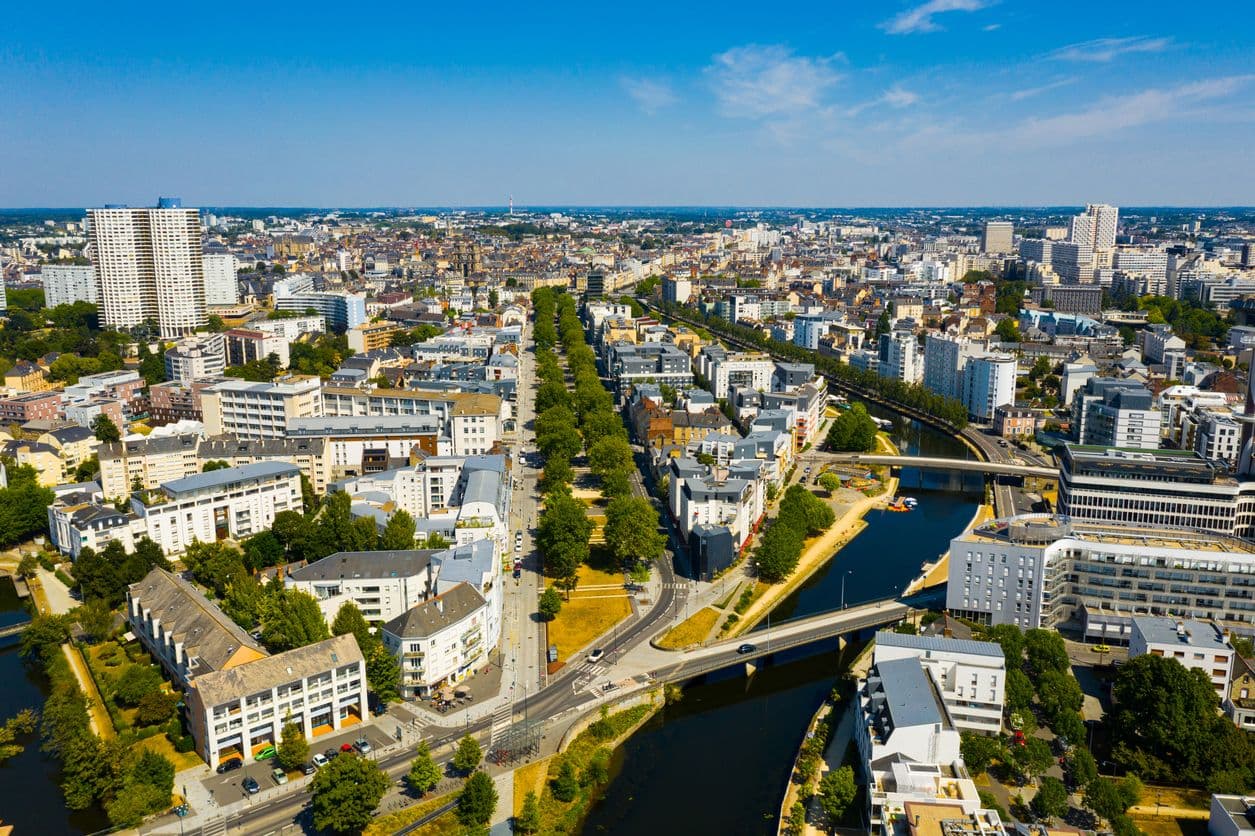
293 748
632 530
398 534
477 801
836 792
853 431
346 792
467 755
550 604
424 775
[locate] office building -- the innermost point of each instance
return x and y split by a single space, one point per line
238 697
1039 570
1110 412
970 676
340 310
259 410
1196 645
988 383
220 279
65 284
1074 298
998 237
196 358
149 267
1096 228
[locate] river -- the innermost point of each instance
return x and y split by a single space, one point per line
30 794
719 761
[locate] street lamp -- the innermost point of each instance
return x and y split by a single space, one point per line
843 577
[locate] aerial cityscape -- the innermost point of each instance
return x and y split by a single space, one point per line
841 424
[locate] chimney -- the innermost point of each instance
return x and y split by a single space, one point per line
440 605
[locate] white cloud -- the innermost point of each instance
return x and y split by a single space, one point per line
1118 113
993 27
896 96
1030 92
649 94
920 18
756 81
1103 50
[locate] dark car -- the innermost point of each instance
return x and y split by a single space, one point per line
330 754
227 766
251 786
746 648
308 769
518 573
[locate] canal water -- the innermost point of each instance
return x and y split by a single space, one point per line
30 792
719 761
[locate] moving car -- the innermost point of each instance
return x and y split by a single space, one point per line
746 648
227 766
279 775
596 655
251 786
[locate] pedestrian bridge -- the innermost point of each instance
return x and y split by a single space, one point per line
790 634
936 463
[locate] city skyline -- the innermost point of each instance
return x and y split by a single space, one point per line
938 103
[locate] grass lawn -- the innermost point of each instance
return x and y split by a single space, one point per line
391 823
161 745
727 599
589 613
693 630
530 778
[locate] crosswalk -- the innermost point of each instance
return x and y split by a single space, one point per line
216 826
501 720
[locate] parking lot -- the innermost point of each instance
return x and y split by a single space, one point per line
229 787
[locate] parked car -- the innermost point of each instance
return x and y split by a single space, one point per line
251 786
362 745
279 775
330 754
320 760
308 768
596 655
346 747
265 754
228 766
518 573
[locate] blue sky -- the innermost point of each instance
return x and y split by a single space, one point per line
943 102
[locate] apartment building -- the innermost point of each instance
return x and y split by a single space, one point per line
471 421
238 698
246 345
196 358
290 328
382 584
945 357
440 641
370 336
970 676
1109 412
1195 645
32 406
311 455
341 311
221 287
65 284
988 383
260 410
742 369
147 462
149 266
371 444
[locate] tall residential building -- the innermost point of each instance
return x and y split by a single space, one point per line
1110 412
196 358
1073 262
1096 227
998 237
988 383
65 284
148 263
944 359
341 311
259 410
220 284
900 357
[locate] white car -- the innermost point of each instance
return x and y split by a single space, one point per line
320 760
596 656
518 547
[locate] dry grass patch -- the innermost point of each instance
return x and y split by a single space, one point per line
161 745
1152 826
529 778
590 612
693 630
391 823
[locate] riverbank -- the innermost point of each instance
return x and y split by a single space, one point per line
815 555
938 571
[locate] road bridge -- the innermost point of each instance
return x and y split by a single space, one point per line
13 629
935 463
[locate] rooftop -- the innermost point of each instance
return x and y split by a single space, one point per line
231 476
235 683
378 564
1196 634
1043 529
889 638
908 694
432 616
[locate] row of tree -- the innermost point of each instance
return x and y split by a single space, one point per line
896 392
801 515
853 431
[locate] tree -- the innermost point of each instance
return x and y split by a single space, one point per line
557 475
979 752
398 534
1082 768
216 565
383 673
528 819
104 428
293 748
291 618
1033 758
563 535
829 482
346 792
477 801
1045 651
1103 797
1011 640
349 619
215 464
468 755
836 790
1008 330
1051 800
853 431
135 682
608 455
363 535
632 530
550 604
566 786
262 550
424 774
23 505
156 707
